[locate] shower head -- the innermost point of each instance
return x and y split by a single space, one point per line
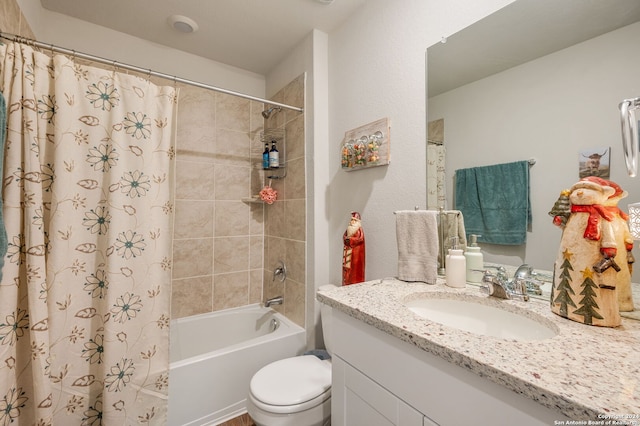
269 111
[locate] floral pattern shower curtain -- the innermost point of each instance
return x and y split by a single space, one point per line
436 196
84 298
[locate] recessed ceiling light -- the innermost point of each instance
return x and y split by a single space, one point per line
327 2
183 24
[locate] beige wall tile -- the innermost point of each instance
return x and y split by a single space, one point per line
233 113
231 254
295 260
194 180
193 219
232 218
295 216
230 290
257 121
191 296
10 17
294 306
232 147
256 252
275 249
196 130
275 219
255 285
295 182
256 224
192 257
295 138
232 183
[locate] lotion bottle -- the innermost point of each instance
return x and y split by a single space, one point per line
455 267
475 260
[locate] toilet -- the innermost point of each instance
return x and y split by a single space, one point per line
294 391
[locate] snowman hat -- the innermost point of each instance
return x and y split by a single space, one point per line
596 184
619 192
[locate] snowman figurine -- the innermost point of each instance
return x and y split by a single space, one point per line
592 258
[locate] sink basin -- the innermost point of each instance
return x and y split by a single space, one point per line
480 318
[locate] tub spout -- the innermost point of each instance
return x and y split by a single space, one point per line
274 301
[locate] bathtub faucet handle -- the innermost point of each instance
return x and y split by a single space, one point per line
281 271
278 300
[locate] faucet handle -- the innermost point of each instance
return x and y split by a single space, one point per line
281 271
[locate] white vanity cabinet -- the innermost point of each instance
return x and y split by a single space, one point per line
381 380
362 402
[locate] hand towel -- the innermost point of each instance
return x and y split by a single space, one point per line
417 238
451 225
495 202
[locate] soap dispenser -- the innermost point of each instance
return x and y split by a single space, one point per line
455 266
475 260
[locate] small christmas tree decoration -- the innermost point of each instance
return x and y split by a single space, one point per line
561 209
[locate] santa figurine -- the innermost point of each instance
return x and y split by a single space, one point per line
353 254
591 266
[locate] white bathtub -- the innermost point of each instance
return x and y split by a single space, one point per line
214 356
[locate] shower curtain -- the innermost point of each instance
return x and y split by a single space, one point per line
436 196
84 297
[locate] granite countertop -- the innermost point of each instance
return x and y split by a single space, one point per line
585 372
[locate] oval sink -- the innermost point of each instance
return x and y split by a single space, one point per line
480 319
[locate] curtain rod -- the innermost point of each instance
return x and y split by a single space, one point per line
149 72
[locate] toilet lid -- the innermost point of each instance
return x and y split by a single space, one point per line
292 381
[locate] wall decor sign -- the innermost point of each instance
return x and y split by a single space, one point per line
366 146
595 162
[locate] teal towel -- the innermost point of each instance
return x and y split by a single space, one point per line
495 202
3 132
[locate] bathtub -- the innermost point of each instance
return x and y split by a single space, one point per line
214 355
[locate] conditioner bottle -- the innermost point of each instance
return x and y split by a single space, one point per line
475 260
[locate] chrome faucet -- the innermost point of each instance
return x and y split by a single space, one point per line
278 300
526 274
498 285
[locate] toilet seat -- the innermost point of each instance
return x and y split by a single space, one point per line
291 385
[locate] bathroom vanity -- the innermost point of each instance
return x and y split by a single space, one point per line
392 366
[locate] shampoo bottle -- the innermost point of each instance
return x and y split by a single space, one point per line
455 267
265 156
475 260
274 156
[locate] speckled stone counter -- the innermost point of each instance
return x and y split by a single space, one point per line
585 372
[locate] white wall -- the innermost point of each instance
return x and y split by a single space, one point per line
376 70
64 31
548 109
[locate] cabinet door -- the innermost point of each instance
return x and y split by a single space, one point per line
359 401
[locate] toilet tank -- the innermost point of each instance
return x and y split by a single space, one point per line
326 320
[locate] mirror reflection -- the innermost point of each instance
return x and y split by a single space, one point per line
541 80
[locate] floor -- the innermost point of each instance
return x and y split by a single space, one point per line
243 420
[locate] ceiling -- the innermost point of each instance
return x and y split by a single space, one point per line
254 35
520 32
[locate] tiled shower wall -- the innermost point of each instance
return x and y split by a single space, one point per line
285 220
226 246
218 238
12 21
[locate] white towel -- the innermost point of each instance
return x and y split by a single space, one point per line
452 226
417 237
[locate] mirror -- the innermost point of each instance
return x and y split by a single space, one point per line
541 80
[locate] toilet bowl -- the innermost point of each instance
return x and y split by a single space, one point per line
294 391
291 392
